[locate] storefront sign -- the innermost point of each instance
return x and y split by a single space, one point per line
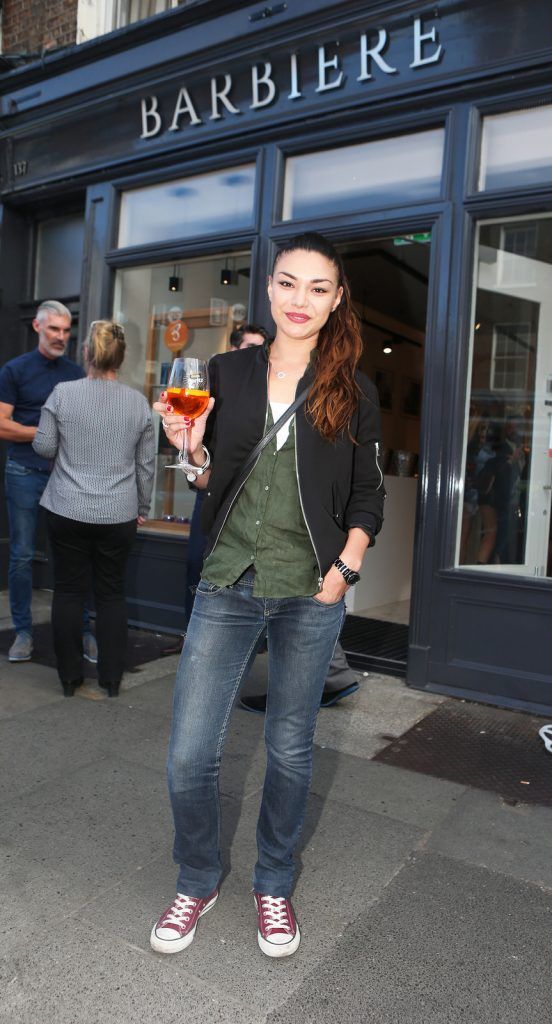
215 100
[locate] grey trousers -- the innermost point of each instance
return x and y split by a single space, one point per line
340 674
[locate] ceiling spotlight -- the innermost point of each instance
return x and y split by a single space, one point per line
386 348
175 282
226 276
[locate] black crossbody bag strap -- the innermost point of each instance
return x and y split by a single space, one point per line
254 455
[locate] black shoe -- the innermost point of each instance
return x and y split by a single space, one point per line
256 704
70 686
175 648
112 688
329 697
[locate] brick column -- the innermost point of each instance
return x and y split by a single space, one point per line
34 25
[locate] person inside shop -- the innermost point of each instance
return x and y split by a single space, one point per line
25 384
510 490
99 433
247 336
287 452
479 517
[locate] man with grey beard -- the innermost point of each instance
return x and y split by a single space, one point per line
25 384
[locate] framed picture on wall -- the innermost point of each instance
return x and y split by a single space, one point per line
411 396
385 382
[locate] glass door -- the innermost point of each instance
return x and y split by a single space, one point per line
389 281
505 522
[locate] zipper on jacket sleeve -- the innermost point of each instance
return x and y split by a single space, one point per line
320 578
377 447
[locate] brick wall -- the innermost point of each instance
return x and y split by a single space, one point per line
35 25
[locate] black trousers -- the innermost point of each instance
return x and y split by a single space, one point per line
85 555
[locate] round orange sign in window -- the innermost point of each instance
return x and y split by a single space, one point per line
176 335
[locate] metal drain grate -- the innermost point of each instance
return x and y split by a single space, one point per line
479 746
374 645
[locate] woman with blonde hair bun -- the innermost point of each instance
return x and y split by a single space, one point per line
99 433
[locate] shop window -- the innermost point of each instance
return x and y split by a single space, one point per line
384 172
195 319
516 149
203 205
125 12
507 478
96 18
58 264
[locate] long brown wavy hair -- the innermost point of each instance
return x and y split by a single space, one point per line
334 394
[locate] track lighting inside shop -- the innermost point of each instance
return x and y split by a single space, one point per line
389 344
175 282
227 275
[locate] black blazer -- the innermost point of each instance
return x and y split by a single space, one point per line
340 483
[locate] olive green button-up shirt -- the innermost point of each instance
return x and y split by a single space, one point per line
266 529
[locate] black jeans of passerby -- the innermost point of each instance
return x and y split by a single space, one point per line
88 554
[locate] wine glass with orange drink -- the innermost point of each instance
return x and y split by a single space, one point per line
188 393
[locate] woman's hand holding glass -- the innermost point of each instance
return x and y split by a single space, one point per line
175 427
187 396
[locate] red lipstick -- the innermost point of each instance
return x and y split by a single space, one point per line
298 318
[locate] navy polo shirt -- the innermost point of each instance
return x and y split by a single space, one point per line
26 382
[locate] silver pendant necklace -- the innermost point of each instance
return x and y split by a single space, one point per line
282 374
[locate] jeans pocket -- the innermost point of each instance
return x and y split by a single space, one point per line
16 469
327 604
208 589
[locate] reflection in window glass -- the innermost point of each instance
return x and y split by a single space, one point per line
59 257
216 202
505 521
380 173
516 149
195 320
125 12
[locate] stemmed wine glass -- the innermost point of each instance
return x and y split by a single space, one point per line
188 393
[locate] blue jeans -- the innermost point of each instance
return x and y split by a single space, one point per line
24 488
197 542
222 636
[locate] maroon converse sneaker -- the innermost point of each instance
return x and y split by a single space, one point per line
176 927
278 933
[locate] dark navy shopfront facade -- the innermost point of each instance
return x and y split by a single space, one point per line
413 137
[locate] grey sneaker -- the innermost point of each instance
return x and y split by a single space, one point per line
90 648
22 647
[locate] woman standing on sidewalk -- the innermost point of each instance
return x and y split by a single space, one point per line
286 538
100 434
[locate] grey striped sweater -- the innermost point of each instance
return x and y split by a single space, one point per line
100 434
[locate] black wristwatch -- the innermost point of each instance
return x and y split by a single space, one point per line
349 575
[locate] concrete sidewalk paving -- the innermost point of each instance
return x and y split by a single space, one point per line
420 901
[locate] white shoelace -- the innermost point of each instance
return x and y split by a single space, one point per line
180 911
275 914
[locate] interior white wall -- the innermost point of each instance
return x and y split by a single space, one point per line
387 569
